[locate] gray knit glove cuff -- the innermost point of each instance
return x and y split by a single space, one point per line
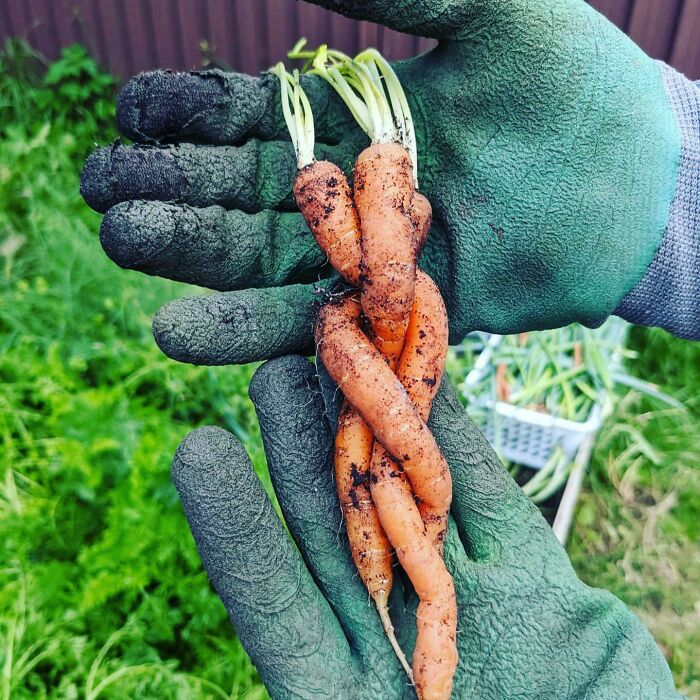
668 294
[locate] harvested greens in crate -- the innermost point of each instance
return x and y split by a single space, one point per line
538 395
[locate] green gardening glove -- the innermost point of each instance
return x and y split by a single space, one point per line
546 144
527 628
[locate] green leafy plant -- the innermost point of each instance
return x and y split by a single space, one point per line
101 589
77 85
70 92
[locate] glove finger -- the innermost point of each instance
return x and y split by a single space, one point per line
254 176
239 327
217 108
282 619
299 446
212 247
494 517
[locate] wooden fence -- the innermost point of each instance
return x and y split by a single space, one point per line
128 36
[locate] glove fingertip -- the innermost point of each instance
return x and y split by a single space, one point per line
156 105
290 370
200 450
167 332
95 188
205 106
128 106
208 463
124 238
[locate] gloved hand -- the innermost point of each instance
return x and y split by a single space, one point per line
546 144
528 628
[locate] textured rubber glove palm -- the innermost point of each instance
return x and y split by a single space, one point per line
528 627
546 146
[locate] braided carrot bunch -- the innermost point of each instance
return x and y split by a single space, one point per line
385 346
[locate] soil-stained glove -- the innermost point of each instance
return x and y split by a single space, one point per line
547 145
528 627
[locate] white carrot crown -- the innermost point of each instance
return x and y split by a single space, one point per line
297 115
368 86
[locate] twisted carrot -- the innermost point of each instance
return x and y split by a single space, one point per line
384 198
358 367
408 327
323 195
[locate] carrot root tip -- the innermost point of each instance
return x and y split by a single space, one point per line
381 601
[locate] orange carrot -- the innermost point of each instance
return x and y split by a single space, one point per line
383 197
355 364
325 213
370 548
395 489
378 396
502 384
420 372
323 196
421 215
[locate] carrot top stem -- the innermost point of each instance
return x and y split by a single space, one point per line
399 104
297 115
370 89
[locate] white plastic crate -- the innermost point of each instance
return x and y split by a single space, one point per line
525 436
528 437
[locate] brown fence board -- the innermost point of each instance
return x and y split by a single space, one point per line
312 24
113 30
653 25
617 11
87 30
277 26
167 33
17 18
132 35
686 48
343 33
55 23
395 46
425 44
62 21
369 34
5 19
141 48
250 35
41 32
192 32
219 30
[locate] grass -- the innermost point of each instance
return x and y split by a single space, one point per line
101 590
637 530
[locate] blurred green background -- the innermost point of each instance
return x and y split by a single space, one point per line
101 590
